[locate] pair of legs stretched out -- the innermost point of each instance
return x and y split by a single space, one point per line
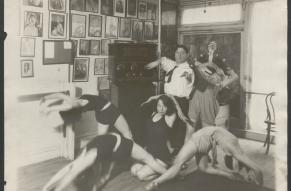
199 145
110 147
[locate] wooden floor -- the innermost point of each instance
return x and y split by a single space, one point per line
33 177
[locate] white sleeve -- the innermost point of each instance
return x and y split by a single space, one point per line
167 64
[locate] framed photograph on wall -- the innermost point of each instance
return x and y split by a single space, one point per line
33 24
119 8
57 25
107 7
131 8
148 30
57 5
27 47
104 46
74 48
106 65
137 30
142 10
94 47
92 6
99 66
78 26
81 70
95 26
124 28
77 5
111 27
84 48
156 31
151 11
26 68
38 3
103 83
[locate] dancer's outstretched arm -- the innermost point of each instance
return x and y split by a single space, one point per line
152 98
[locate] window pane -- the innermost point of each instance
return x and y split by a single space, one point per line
223 13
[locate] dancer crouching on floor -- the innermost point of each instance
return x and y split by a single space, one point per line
110 147
199 145
157 136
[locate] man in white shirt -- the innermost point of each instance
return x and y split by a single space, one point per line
179 82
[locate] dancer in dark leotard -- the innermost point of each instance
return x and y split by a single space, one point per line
107 115
110 147
158 128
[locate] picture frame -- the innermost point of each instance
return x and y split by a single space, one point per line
125 28
111 27
84 47
57 5
151 11
106 66
26 68
33 24
80 69
107 7
99 66
27 47
95 26
131 7
92 6
75 48
104 46
137 30
103 83
78 26
156 31
148 30
57 25
77 5
33 3
94 47
142 10
119 8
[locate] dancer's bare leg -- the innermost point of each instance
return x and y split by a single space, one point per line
122 126
79 165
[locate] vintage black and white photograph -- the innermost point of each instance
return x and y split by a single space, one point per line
58 25
26 68
33 3
95 26
33 24
148 30
111 27
81 70
92 6
99 66
131 8
142 10
84 48
57 5
77 5
95 47
146 95
125 28
27 47
104 46
151 11
78 26
119 8
137 30
107 7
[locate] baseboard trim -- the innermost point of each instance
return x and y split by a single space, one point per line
256 136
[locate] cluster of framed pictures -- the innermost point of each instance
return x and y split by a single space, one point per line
101 66
120 8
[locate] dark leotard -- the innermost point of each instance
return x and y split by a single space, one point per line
156 140
105 145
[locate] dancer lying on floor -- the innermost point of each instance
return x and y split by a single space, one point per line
158 128
199 145
107 115
110 147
